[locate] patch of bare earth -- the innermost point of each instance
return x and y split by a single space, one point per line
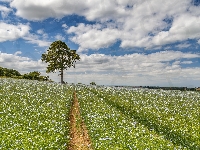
79 138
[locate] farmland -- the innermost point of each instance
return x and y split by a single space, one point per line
35 115
141 119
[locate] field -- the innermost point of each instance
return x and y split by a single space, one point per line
140 118
35 115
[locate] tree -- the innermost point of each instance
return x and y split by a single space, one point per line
59 57
8 72
35 75
92 83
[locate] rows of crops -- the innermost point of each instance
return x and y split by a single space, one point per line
34 115
141 119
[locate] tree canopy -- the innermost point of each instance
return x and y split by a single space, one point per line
60 57
8 72
11 73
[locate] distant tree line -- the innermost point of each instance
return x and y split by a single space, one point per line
11 73
171 88
164 88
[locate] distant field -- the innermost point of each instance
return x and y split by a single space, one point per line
34 115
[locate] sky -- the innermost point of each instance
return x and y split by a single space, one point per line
120 42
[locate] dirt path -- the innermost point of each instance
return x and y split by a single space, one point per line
79 138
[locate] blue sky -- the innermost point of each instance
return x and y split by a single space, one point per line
129 42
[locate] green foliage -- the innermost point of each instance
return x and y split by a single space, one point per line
59 57
92 83
9 72
35 75
34 115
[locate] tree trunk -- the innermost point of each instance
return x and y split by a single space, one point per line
61 74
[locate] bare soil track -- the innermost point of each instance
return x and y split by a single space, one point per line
79 138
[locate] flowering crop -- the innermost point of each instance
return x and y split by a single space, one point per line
141 118
34 115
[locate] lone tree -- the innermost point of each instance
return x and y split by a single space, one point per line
59 57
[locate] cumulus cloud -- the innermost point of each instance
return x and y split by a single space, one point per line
22 64
35 39
135 69
10 32
91 9
184 27
59 37
145 24
93 37
132 69
136 61
40 10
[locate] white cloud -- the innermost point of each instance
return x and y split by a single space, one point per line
40 31
35 39
176 63
17 53
105 10
93 37
143 24
198 41
184 27
40 43
133 69
171 55
184 45
64 26
22 64
12 32
132 64
40 39
91 9
186 62
59 37
40 10
4 11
